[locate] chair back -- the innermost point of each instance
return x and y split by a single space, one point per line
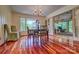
6 29
13 28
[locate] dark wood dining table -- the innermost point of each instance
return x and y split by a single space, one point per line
42 33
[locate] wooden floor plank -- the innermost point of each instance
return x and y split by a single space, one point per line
26 45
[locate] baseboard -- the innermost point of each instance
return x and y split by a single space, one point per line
11 40
23 35
51 35
2 44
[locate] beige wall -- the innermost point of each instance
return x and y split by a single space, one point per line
5 14
77 21
12 18
16 16
65 9
62 10
50 26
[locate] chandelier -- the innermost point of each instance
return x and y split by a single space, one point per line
38 11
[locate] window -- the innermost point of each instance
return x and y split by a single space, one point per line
65 25
22 24
70 26
2 20
61 25
29 22
32 24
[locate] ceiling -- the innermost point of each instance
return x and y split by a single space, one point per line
29 9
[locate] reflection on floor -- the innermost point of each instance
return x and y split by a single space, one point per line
33 45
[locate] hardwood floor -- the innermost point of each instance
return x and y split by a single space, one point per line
28 45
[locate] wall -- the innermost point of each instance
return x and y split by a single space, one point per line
50 26
77 21
6 11
60 11
16 16
5 14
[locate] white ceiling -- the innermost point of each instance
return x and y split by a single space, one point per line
29 9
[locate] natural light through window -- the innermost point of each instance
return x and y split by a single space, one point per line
30 23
